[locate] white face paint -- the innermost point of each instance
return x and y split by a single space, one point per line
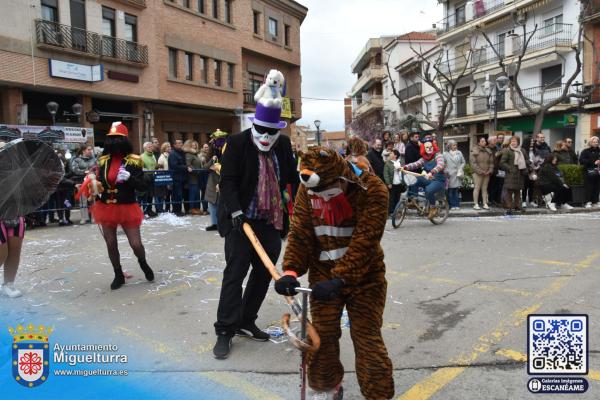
264 141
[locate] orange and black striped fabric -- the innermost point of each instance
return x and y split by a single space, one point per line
350 250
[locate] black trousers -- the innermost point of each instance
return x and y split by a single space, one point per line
237 309
395 193
592 189
561 196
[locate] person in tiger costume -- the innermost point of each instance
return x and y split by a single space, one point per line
339 218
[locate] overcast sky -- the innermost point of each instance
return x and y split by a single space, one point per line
333 34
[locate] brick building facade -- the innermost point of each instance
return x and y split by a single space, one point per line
168 68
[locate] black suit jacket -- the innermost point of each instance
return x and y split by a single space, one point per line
239 174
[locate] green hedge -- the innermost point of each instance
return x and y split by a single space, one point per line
467 179
572 174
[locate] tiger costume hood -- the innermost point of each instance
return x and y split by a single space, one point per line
321 168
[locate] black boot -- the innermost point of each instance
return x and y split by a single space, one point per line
147 270
119 279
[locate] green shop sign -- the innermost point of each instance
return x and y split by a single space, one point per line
525 124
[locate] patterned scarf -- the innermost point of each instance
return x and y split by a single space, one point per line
267 203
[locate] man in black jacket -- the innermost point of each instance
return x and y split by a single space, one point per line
257 164
376 158
412 153
178 169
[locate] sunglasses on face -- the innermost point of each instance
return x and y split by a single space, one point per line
264 129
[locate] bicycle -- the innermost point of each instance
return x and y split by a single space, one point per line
420 203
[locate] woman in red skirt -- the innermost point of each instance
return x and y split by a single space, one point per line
120 174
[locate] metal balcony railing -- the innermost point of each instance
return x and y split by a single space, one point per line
410 91
545 37
539 94
480 9
68 37
249 98
480 105
591 10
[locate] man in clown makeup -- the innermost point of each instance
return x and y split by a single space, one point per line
433 178
256 166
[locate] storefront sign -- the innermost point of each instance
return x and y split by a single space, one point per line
65 134
570 120
525 124
286 108
79 72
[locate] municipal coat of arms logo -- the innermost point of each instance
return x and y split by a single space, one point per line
30 354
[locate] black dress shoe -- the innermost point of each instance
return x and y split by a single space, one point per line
117 282
211 228
148 273
222 347
252 332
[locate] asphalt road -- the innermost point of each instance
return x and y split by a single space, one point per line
455 321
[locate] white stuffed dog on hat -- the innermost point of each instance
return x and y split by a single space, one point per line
269 94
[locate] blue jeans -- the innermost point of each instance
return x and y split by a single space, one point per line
212 209
159 203
453 200
431 188
194 196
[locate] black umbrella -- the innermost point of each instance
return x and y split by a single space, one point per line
30 171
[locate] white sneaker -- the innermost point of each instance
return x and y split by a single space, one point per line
476 207
566 207
9 290
552 206
533 204
486 207
524 205
548 198
588 205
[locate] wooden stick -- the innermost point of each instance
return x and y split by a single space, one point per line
407 172
315 340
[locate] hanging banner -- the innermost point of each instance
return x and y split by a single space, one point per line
64 134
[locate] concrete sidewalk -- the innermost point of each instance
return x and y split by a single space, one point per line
466 210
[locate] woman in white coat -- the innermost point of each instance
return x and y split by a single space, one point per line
455 164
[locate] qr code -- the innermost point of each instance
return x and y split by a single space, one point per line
557 344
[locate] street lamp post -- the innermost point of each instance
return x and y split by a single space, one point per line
318 125
501 86
52 107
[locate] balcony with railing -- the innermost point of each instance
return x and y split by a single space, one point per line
539 95
57 36
594 96
591 10
369 103
250 103
461 16
372 73
546 37
481 105
411 92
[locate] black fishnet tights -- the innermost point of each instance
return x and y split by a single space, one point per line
135 241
